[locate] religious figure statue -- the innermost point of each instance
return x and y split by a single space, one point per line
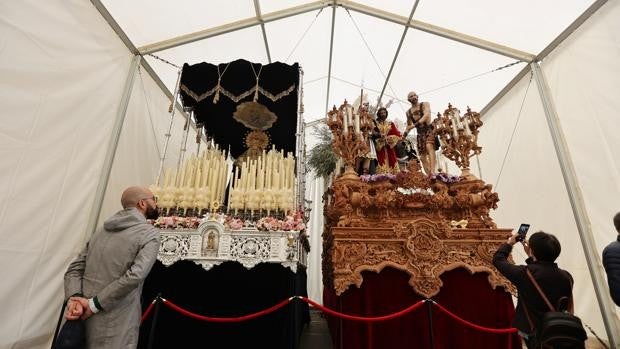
386 135
419 116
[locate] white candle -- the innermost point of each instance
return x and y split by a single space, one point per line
235 181
345 117
357 123
454 131
222 184
269 169
467 124
197 178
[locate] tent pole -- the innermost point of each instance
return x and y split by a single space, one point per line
331 55
300 139
112 145
259 17
612 325
400 45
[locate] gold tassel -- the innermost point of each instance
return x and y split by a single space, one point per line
256 92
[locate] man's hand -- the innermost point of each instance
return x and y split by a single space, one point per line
87 312
74 309
78 308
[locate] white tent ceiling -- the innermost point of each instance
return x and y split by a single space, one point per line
441 70
63 70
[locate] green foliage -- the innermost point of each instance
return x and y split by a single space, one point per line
322 159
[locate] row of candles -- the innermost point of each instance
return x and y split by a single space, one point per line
271 170
199 183
265 183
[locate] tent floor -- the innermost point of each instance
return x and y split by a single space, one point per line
316 333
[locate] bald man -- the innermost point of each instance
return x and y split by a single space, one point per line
105 280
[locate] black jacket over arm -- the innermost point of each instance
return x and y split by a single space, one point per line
555 283
611 262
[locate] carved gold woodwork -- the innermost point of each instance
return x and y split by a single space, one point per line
459 136
405 224
350 136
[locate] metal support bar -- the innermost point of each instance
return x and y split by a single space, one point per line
152 332
233 26
145 64
262 28
431 328
114 25
112 145
570 29
607 307
435 30
162 157
331 54
545 52
400 44
300 183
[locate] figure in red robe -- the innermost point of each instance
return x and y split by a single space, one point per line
386 135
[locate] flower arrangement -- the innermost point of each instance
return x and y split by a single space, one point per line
378 177
175 222
233 223
413 191
445 177
290 222
294 222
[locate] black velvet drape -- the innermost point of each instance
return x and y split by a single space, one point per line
238 77
227 290
468 296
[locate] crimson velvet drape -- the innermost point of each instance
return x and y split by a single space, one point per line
468 296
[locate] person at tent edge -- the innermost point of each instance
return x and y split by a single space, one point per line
104 282
542 249
611 262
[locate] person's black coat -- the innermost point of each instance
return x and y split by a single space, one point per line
555 283
611 262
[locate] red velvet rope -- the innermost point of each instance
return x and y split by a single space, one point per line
472 325
325 310
224 319
148 310
363 318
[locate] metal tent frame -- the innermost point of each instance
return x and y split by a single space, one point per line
612 324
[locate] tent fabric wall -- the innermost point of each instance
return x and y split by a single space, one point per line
142 141
315 187
583 84
62 73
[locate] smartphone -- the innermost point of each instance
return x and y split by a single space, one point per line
523 228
